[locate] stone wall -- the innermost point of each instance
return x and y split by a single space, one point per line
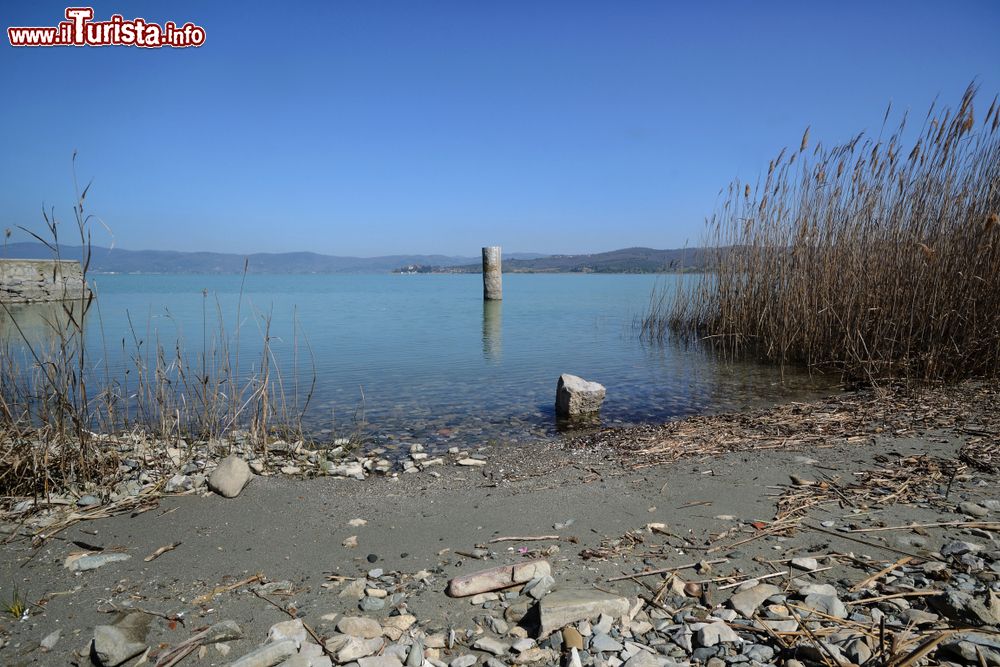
30 280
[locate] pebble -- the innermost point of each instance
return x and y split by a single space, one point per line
711 634
372 604
973 509
86 562
490 645
360 626
50 640
267 655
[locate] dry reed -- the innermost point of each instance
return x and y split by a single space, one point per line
867 259
55 399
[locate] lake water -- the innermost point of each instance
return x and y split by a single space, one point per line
425 358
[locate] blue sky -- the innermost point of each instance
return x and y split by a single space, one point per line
369 128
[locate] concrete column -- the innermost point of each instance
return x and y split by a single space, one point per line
492 275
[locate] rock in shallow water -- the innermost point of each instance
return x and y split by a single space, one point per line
576 396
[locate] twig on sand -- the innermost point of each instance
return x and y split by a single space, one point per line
536 538
881 573
162 550
772 575
893 596
665 570
218 590
982 525
874 545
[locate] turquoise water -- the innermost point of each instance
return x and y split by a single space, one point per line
423 358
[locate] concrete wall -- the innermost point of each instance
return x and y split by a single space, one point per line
30 280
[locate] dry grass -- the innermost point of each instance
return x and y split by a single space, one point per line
57 394
868 258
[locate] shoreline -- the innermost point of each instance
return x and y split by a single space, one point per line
619 501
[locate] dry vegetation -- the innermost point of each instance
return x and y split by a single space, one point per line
57 392
868 258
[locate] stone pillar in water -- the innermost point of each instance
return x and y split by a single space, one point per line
492 276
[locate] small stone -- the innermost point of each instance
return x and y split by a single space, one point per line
533 655
959 548
372 604
50 640
124 639
826 604
379 661
372 558
572 638
354 590
522 645
566 606
351 542
292 631
974 648
356 647
817 589
539 586
463 661
712 634
229 477
759 653
603 643
643 659
267 655
84 562
963 608
88 500
919 617
401 622
746 602
470 462
490 645
415 658
807 564
360 626
973 509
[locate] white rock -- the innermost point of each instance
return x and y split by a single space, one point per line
746 602
712 634
229 478
360 626
267 655
292 631
807 564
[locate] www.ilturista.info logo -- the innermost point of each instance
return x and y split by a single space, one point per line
79 29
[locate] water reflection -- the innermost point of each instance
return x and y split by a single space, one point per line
36 323
493 330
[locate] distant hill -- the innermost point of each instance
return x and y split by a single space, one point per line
626 260
118 260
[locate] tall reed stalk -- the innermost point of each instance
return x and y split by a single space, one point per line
867 258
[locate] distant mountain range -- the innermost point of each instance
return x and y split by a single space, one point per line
118 260
626 260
